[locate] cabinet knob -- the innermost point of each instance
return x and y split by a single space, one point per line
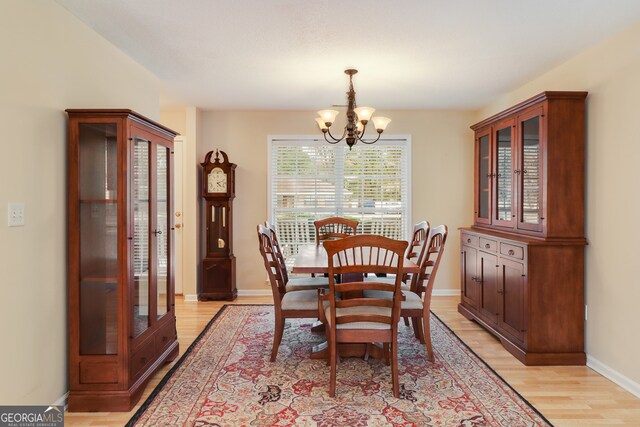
487 245
178 225
468 240
512 252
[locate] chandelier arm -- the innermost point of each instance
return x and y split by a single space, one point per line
333 137
369 142
335 141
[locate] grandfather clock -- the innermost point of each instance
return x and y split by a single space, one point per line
218 279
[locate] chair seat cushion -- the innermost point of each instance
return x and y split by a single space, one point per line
305 283
412 301
389 279
300 300
348 311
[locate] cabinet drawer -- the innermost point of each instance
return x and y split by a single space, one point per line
469 239
488 245
142 358
165 336
511 250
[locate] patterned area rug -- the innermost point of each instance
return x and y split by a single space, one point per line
225 379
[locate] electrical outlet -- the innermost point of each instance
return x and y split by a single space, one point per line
16 214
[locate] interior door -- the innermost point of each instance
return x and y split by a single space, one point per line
178 213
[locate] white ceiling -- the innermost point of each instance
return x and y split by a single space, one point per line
291 54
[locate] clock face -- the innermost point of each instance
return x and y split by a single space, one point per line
217 181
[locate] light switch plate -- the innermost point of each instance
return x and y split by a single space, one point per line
16 214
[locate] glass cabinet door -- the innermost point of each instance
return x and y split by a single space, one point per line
529 171
483 178
140 207
504 207
162 229
98 240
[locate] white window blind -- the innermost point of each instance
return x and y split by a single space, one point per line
310 179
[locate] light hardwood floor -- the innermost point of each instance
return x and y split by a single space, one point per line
567 396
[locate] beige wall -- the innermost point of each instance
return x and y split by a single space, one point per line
442 176
610 72
50 61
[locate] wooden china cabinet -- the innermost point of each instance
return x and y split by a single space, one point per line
523 258
122 324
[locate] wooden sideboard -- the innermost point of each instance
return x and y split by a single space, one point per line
522 260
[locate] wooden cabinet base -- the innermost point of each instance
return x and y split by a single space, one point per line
218 296
118 400
527 358
218 281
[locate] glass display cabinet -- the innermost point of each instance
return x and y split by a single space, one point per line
522 260
121 301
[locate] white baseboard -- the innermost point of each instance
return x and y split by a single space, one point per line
190 298
254 293
615 376
62 401
446 292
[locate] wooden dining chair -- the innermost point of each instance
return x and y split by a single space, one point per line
414 251
334 228
416 303
286 304
362 319
418 240
294 283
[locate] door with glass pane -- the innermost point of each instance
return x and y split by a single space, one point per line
529 170
503 186
140 251
151 205
161 231
484 175
97 243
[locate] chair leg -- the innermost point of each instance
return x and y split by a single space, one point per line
426 321
277 337
394 369
417 329
385 350
333 357
406 321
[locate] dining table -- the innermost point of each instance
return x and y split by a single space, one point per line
313 259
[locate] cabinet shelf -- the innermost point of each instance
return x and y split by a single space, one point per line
99 201
97 279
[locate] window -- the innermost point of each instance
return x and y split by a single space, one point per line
310 179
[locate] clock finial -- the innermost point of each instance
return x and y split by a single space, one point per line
217 155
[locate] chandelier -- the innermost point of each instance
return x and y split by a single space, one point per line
357 120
